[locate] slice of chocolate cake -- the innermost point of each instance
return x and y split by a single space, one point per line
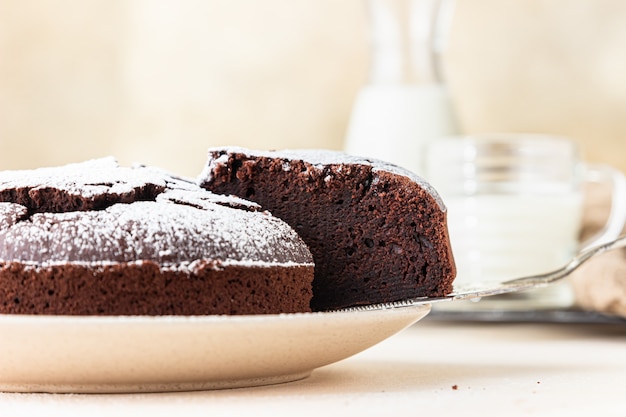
98 239
377 232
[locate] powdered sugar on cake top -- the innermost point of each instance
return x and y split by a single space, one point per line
205 200
86 179
11 213
181 226
165 233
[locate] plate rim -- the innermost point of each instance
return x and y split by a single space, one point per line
360 310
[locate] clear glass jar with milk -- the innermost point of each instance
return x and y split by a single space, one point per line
514 209
405 103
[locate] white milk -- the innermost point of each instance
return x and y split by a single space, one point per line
393 122
500 237
496 237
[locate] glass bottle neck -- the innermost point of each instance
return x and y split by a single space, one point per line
407 40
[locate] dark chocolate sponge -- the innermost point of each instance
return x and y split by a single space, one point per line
378 233
96 238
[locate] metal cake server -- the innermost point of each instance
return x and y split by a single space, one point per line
477 290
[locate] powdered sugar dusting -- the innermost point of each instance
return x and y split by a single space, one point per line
10 213
183 227
165 233
201 199
86 179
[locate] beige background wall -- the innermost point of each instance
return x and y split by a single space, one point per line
158 81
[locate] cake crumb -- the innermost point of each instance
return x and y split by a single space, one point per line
455 387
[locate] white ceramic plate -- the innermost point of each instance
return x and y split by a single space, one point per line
141 354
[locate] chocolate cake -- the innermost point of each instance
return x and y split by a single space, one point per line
95 238
378 233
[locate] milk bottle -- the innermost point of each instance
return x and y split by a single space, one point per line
405 103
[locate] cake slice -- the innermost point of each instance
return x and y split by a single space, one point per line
377 232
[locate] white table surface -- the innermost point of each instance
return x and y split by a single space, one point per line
497 369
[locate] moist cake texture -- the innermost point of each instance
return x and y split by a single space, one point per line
97 238
377 232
